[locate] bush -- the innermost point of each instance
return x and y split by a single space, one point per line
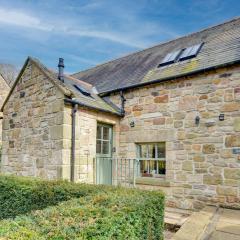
113 213
96 212
19 195
0 155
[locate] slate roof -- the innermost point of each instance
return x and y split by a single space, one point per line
92 102
221 47
69 90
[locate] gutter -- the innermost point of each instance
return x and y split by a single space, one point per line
169 78
71 101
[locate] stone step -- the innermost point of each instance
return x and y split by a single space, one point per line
195 227
175 217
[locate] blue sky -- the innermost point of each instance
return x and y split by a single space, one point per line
89 32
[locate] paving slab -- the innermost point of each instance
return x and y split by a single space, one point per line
196 225
228 228
211 223
229 222
230 215
223 236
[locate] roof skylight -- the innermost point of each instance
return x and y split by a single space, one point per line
181 55
170 57
190 52
82 90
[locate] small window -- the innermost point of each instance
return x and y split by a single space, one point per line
170 58
152 158
190 52
82 90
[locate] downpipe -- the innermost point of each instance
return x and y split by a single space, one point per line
72 173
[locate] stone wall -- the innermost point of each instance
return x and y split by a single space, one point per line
32 127
4 90
201 165
86 131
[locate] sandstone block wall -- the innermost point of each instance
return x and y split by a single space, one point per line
202 160
86 131
4 90
32 127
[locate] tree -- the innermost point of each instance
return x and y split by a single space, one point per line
9 72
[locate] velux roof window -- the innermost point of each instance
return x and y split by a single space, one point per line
170 58
82 90
190 52
181 55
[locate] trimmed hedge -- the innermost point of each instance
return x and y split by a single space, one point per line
19 195
98 212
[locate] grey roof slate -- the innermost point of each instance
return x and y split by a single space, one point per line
94 101
221 47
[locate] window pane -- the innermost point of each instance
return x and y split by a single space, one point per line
98 150
99 128
143 151
106 146
161 150
161 167
144 169
106 133
153 167
151 153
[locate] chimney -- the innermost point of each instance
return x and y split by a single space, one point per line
60 69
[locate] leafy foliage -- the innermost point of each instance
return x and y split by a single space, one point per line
101 213
19 195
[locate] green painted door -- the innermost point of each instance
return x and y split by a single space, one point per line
104 154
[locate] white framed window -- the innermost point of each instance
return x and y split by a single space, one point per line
104 139
152 159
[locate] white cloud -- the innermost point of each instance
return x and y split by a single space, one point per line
110 36
25 20
81 59
135 38
21 19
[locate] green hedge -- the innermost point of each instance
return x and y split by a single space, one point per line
19 195
114 214
96 212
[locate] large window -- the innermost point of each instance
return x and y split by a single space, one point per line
152 159
104 138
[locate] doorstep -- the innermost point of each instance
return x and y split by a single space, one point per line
176 217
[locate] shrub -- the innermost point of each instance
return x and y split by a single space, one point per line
19 195
0 154
112 213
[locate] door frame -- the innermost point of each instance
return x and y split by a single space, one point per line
101 155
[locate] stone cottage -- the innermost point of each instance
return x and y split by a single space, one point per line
4 90
167 117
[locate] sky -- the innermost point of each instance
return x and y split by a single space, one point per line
90 32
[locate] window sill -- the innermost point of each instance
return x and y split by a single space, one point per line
152 181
